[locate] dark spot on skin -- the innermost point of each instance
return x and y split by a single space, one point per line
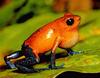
73 74
34 36
39 30
25 17
54 29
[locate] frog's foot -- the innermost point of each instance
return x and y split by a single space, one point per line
26 65
56 67
50 67
26 69
9 64
73 53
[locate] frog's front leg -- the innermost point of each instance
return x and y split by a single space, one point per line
12 56
52 60
53 64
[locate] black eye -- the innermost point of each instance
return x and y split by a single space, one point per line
70 21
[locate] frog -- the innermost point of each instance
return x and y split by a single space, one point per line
63 32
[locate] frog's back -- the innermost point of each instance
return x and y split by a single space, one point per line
42 40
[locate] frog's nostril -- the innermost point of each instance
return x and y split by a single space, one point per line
78 18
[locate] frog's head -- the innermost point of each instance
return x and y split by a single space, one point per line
70 21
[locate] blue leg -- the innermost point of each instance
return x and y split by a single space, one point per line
26 64
53 64
71 52
12 56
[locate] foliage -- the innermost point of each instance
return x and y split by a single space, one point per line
13 36
11 12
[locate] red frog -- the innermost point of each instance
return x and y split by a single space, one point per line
62 33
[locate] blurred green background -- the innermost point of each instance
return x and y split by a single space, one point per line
20 18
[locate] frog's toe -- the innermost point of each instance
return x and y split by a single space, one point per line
74 52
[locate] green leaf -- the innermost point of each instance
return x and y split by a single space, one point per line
11 38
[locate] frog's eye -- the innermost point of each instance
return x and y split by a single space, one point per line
70 21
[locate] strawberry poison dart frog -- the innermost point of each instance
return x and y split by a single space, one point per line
62 33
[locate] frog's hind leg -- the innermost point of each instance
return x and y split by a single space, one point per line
26 64
14 55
